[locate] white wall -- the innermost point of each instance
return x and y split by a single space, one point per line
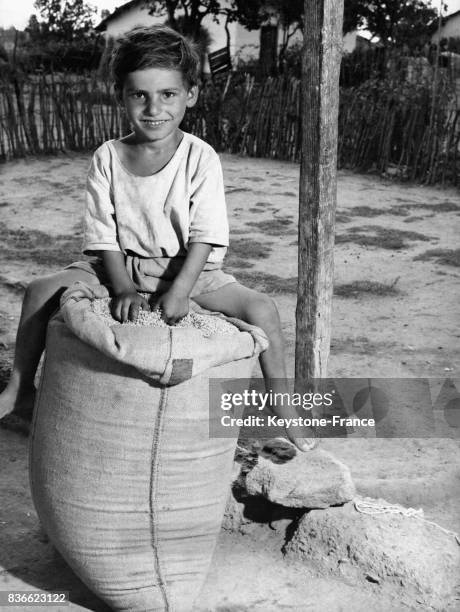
450 30
130 19
243 43
239 36
349 41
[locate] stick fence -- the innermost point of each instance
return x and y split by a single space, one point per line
399 126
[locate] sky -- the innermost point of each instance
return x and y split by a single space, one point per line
17 12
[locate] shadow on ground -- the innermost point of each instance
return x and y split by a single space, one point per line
28 561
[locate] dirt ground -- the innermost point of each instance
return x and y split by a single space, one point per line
395 314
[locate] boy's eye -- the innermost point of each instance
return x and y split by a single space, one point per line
137 95
169 94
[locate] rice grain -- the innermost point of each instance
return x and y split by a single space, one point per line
207 324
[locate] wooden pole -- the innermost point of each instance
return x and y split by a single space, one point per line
318 180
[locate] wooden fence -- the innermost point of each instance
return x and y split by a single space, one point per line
48 113
397 125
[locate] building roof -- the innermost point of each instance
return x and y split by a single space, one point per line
101 27
451 15
444 21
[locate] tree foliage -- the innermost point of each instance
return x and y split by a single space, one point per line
66 20
394 22
62 36
253 14
354 14
186 16
403 21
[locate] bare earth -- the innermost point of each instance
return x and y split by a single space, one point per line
394 315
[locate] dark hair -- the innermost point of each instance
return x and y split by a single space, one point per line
157 46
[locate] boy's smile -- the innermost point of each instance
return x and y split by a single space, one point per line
155 100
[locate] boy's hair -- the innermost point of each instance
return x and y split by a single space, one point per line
157 46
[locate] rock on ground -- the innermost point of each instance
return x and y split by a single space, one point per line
234 514
314 479
381 550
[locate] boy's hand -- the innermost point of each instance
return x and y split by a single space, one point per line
126 306
174 305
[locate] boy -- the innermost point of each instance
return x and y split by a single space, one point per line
155 217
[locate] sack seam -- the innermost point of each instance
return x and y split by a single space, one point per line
154 475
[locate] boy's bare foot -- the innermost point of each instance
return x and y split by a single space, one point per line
20 402
14 423
7 400
301 436
304 440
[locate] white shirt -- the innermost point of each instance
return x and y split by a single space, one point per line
161 214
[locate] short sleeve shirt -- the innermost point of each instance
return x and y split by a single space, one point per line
161 214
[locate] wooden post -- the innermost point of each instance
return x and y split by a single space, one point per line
318 180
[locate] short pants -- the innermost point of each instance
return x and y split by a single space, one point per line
156 275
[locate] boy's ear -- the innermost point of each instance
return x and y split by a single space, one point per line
192 96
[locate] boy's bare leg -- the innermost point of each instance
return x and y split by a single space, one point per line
258 309
41 299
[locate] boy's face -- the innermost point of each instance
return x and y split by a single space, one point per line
155 100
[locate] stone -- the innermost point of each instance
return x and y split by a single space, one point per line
313 479
234 510
380 551
233 515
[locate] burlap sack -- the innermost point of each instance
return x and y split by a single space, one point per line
124 477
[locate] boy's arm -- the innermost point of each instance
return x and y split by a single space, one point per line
101 237
175 302
126 302
208 227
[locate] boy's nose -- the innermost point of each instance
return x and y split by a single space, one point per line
153 107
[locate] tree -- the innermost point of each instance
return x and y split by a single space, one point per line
61 21
62 35
403 22
255 14
186 16
394 22
354 14
33 28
